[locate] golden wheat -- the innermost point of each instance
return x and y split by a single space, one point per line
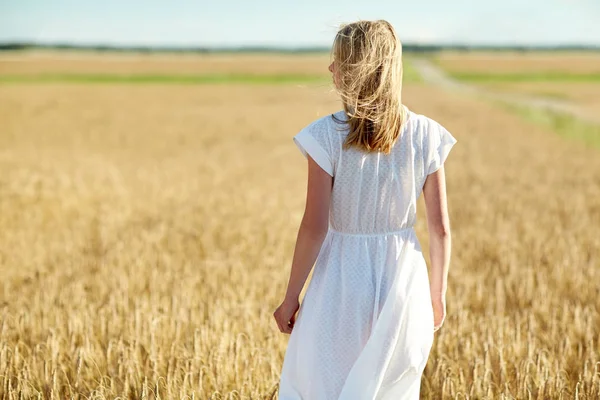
48 62
520 62
586 95
147 235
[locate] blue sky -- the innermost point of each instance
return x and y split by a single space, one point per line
297 23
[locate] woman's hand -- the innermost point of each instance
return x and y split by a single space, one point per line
438 302
285 314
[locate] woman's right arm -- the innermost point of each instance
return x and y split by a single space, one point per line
438 223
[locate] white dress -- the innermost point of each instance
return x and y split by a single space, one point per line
364 329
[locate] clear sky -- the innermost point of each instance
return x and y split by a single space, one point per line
297 23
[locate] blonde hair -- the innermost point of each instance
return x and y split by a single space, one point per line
367 56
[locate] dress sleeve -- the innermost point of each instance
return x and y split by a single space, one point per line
439 144
314 142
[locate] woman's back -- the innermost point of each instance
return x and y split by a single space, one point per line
365 327
375 192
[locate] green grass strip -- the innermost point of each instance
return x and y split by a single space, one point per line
410 73
165 79
526 77
564 124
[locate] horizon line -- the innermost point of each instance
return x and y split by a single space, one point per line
409 46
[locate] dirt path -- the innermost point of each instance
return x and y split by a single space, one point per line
435 75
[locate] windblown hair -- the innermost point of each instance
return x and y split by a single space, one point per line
367 56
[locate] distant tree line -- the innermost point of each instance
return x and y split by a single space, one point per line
408 47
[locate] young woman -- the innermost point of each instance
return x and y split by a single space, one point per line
366 324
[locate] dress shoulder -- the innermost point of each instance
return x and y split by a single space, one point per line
315 140
437 143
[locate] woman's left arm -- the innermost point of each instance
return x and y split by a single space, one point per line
311 234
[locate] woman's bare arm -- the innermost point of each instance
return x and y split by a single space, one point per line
311 233
313 228
438 223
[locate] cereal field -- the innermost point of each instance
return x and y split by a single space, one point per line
148 229
39 62
585 95
520 62
570 78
